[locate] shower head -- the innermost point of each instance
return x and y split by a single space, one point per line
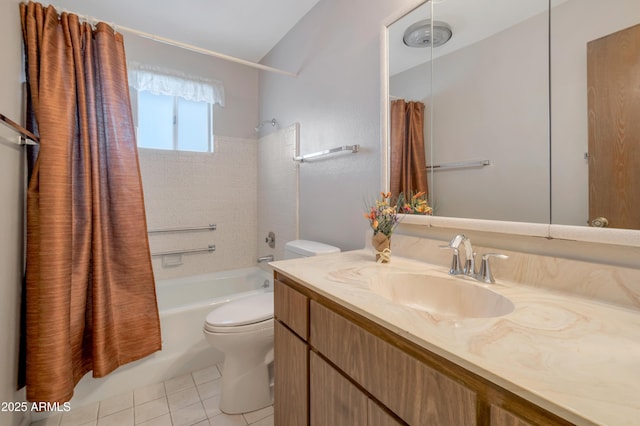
420 34
262 123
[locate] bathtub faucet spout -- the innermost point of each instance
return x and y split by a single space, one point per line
267 258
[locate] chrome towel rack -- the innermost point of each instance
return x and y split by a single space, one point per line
460 165
210 248
346 148
210 227
26 137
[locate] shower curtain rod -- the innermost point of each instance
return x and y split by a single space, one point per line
24 133
185 46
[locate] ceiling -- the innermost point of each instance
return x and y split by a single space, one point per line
247 29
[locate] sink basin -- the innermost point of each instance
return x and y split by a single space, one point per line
442 295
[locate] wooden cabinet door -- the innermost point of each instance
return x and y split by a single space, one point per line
291 378
333 399
378 417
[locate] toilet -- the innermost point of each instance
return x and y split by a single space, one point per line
243 330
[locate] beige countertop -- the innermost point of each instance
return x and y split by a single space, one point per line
576 357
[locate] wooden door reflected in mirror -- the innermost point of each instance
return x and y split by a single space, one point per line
613 80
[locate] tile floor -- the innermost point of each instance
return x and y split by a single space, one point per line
187 400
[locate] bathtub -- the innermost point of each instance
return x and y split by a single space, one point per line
183 304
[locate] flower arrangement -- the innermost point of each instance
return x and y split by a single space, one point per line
383 218
413 204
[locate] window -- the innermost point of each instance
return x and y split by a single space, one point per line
174 110
172 122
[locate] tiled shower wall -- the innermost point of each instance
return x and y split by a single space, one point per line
186 189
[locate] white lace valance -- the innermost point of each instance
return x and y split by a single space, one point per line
161 81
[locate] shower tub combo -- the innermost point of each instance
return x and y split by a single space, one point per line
183 304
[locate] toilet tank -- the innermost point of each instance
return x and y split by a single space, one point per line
306 248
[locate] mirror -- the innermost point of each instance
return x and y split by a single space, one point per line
595 130
486 93
510 88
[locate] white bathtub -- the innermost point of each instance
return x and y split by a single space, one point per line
183 293
183 304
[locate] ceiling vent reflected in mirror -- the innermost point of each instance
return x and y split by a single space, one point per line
419 34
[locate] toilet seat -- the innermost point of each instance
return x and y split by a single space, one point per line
242 315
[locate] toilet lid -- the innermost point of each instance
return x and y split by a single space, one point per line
247 310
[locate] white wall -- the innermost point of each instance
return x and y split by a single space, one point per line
11 212
336 50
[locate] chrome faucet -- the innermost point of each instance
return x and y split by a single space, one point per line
484 274
454 245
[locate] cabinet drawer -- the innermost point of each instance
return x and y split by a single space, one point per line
418 394
291 308
291 390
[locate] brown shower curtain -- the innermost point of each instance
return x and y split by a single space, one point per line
90 293
408 163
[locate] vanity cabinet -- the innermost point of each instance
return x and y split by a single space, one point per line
335 367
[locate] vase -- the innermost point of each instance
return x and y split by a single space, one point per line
382 246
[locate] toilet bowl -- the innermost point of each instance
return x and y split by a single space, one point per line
243 330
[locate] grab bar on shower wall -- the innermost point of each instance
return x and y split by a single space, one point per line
352 148
210 227
210 248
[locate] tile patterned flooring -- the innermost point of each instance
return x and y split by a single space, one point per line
188 400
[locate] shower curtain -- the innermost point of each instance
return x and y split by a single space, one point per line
90 293
408 162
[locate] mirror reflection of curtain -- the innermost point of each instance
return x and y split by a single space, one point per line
408 162
90 291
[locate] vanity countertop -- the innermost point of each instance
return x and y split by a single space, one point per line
576 357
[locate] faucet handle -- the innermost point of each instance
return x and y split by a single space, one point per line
485 267
456 241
